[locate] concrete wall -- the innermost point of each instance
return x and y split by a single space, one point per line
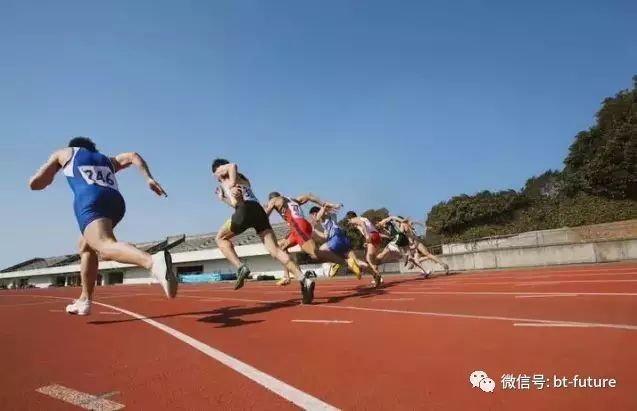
528 239
41 281
533 256
618 230
136 276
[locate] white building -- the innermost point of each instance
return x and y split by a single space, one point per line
195 254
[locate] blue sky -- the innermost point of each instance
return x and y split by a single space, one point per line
371 103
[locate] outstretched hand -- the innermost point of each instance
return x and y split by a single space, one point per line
156 188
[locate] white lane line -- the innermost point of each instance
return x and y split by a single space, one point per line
286 391
513 293
523 284
29 304
79 399
546 295
481 317
565 325
323 321
475 278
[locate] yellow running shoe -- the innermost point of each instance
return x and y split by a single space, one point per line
283 281
353 265
334 269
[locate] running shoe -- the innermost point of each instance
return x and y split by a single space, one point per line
353 265
242 273
162 271
334 269
307 287
283 281
79 307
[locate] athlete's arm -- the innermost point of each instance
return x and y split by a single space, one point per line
320 234
45 175
361 227
220 194
309 197
125 160
230 170
269 207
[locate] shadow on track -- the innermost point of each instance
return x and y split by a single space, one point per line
231 316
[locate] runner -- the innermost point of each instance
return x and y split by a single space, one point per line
99 207
301 229
337 245
395 227
236 191
418 250
372 243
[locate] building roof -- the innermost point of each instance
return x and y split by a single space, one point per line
177 244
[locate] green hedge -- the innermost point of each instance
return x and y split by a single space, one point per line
545 214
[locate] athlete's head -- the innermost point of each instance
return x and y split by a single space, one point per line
350 215
218 162
274 194
83 142
314 211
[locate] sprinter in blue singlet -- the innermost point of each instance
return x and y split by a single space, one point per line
337 244
99 207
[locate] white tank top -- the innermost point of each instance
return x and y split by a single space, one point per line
294 209
369 225
246 192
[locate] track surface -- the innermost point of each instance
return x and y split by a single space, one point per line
410 345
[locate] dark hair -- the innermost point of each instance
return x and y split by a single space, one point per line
83 142
315 209
350 214
274 194
218 163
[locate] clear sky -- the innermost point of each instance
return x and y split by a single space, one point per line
400 104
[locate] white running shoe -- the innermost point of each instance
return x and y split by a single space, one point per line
162 271
79 307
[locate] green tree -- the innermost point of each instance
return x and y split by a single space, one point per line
603 160
548 184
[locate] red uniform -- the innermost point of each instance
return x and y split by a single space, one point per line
374 235
300 228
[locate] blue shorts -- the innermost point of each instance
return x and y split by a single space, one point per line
103 204
339 245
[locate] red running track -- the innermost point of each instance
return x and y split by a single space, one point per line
411 345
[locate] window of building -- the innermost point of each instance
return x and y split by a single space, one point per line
190 269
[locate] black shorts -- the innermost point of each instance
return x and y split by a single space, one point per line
401 240
249 214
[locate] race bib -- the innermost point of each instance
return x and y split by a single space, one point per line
100 175
296 210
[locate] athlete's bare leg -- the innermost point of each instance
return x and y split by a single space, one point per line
325 255
370 256
99 237
428 256
284 244
363 265
88 270
224 235
270 243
